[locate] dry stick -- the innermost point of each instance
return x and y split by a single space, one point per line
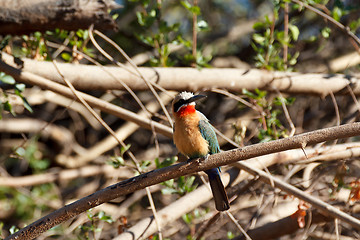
286 32
86 171
160 175
237 98
327 209
286 112
147 82
194 34
123 66
120 142
346 30
336 108
238 225
354 98
32 79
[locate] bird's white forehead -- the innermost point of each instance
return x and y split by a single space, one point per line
185 95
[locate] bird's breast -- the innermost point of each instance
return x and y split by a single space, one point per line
187 136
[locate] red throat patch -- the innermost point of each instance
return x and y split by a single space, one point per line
186 110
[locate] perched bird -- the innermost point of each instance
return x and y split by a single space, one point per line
195 138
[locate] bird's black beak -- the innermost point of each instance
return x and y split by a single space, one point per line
195 98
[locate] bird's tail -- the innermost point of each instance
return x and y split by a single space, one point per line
218 190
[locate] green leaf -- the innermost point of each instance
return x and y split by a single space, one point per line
230 235
202 26
7 78
140 18
66 57
168 191
188 218
337 13
193 9
259 38
124 149
13 229
294 32
325 32
145 164
8 107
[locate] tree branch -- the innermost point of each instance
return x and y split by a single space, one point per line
23 17
85 77
157 176
32 79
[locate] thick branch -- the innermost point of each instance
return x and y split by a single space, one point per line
85 77
26 16
157 176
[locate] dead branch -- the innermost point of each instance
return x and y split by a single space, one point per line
157 176
32 79
61 135
85 77
283 227
109 142
83 172
22 17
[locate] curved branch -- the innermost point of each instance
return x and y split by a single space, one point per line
157 176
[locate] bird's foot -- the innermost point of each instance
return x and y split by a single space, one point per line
199 160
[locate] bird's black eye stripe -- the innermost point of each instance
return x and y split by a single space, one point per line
178 104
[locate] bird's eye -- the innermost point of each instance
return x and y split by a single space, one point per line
178 104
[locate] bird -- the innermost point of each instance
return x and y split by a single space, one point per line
195 137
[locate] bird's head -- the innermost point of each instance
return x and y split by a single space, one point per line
184 103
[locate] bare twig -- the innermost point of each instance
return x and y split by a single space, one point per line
194 34
346 30
29 78
147 82
83 172
238 225
286 33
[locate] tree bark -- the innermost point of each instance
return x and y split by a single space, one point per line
26 16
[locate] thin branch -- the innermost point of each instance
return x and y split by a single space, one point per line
147 82
286 33
159 175
32 79
238 225
346 30
120 142
194 34
53 176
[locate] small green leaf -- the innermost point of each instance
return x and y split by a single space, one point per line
202 26
8 107
325 32
13 229
258 38
187 218
230 235
20 87
66 57
337 13
6 78
124 149
168 191
294 32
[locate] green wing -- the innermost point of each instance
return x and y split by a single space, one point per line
208 133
